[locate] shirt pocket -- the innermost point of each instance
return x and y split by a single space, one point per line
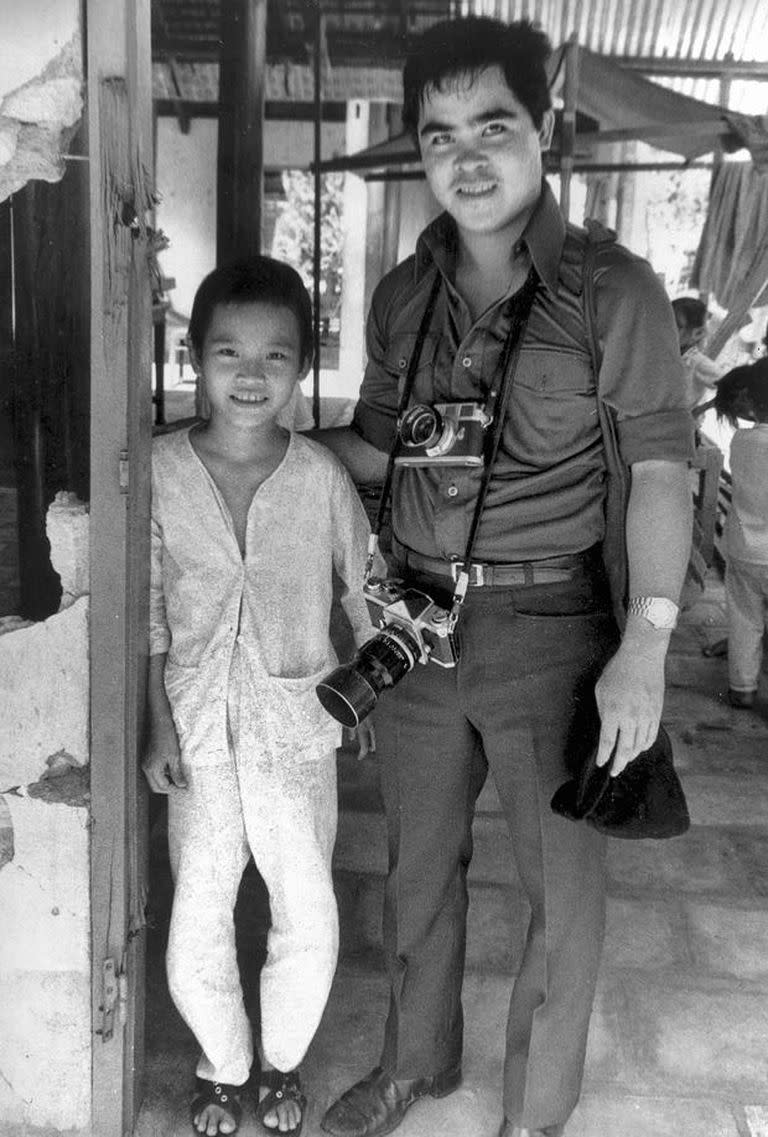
552 414
398 355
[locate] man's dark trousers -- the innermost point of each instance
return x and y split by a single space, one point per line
528 657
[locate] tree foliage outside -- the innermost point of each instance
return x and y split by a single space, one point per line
294 236
675 213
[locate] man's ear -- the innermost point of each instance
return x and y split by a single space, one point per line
546 129
194 359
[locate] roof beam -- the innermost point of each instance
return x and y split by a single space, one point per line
711 68
240 166
273 111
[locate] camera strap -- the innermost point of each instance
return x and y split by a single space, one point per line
506 370
405 395
496 407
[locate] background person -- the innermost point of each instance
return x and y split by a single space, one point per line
742 396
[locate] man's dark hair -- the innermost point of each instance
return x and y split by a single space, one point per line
692 311
468 46
252 280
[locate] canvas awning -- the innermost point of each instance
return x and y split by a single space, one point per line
732 258
613 105
629 107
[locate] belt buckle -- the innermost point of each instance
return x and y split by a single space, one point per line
476 574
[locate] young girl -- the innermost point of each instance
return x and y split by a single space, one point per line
249 521
743 394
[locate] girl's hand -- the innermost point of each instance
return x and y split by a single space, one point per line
162 761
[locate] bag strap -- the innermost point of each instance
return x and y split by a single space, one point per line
618 477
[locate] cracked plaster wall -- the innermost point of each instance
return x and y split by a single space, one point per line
45 983
41 89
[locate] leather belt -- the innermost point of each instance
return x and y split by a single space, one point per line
554 570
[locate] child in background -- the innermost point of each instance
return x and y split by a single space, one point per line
742 394
249 521
703 373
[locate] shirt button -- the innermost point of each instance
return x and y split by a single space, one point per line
466 361
241 639
452 491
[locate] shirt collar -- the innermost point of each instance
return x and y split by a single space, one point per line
544 237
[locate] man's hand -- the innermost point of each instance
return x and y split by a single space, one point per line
365 736
630 697
162 762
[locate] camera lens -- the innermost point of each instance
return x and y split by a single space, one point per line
350 692
420 426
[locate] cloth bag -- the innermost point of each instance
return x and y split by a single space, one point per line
646 800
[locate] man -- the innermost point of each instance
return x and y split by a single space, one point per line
537 636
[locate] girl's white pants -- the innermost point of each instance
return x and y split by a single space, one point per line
287 818
746 593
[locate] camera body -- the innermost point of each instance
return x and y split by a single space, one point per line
412 629
426 624
446 434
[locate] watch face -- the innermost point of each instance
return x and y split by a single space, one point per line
663 613
657 610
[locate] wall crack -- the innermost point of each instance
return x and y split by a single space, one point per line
13 1090
7 849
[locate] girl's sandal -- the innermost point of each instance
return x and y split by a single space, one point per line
220 1094
282 1088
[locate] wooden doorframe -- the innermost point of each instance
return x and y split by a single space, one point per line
119 95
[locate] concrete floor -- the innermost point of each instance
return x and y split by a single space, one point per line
679 1039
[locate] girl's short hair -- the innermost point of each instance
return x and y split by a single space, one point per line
255 279
743 392
469 46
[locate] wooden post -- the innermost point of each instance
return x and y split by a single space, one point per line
240 180
392 203
121 197
568 131
318 228
352 340
378 131
724 97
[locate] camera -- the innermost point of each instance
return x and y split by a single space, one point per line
413 630
447 434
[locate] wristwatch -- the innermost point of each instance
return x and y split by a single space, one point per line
657 610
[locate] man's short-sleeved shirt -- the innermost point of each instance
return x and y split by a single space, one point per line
547 489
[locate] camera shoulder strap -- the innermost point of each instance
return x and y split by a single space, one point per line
499 395
618 478
410 375
507 371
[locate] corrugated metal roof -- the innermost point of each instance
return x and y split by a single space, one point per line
686 30
682 29
372 34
